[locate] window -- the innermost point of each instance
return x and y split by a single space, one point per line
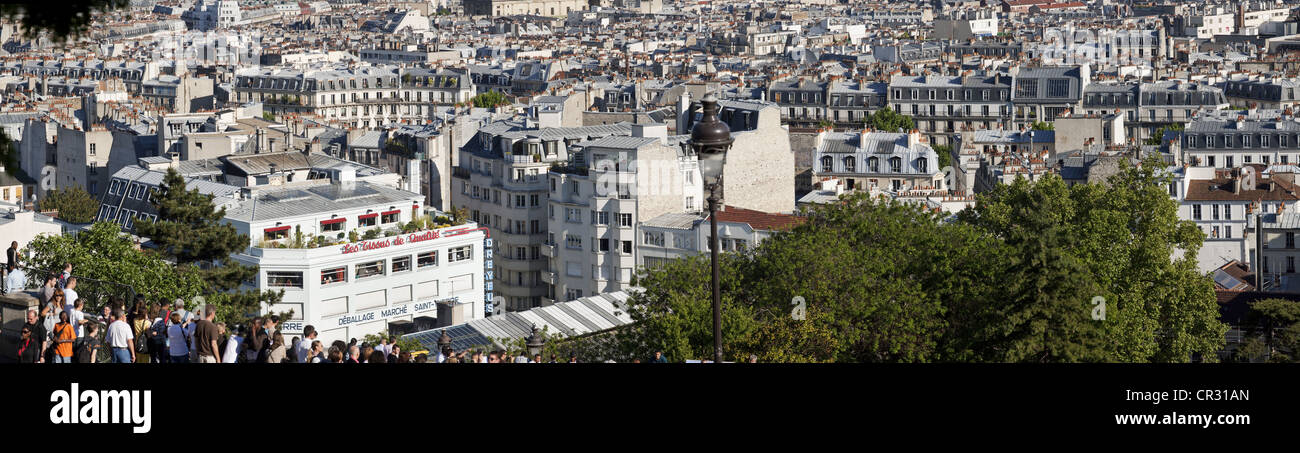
460 254
921 165
849 164
627 247
520 199
600 218
1227 232
370 269
653 238
573 269
426 259
1290 240
1196 212
573 215
272 234
625 220
828 164
333 225
284 279
391 217
401 264
896 165
1214 211
1027 88
1227 212
335 275
532 200
367 220
602 245
873 164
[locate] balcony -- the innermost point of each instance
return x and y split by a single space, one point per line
548 277
460 172
548 250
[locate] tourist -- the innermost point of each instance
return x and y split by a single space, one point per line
120 339
317 352
47 291
64 276
178 336
140 326
64 336
302 349
70 292
233 344
16 280
88 348
205 337
277 353
353 353
29 348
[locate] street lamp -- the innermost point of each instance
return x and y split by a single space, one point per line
535 343
711 138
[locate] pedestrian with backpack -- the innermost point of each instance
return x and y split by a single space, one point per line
88 347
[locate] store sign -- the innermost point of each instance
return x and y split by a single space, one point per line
488 272
393 311
291 327
396 241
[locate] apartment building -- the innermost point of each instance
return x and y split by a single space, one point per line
1149 106
1221 201
1225 144
881 160
361 97
679 235
1246 91
941 106
1043 93
501 181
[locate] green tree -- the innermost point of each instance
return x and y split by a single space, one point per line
268 116
1274 328
490 99
73 204
887 120
1042 126
1125 233
189 231
102 253
1159 135
945 155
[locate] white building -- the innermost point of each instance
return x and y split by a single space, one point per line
679 235
347 289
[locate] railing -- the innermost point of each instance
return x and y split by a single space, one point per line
96 292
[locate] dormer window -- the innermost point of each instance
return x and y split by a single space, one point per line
828 164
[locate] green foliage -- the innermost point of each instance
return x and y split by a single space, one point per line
945 155
406 344
490 99
102 253
1042 126
190 232
353 236
268 116
825 124
73 204
1274 328
1012 280
1159 134
887 120
370 234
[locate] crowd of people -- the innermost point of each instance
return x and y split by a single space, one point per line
62 332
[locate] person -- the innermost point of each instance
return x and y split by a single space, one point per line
63 277
317 352
659 358
79 322
159 333
64 336
16 281
236 341
753 358
277 349
396 352
537 358
88 348
301 351
120 338
334 355
377 356
422 358
12 255
179 307
205 337
573 359
50 316
353 353
48 290
178 336
254 341
106 315
140 325
366 351
70 292
29 348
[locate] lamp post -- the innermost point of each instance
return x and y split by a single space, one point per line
535 343
711 138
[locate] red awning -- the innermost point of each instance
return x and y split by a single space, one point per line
275 229
333 221
367 216
395 211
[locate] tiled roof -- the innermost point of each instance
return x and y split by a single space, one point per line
759 220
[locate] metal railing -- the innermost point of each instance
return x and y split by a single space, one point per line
96 292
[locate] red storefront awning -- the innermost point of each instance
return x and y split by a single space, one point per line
277 229
333 221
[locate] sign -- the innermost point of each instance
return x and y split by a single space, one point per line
399 240
489 271
291 327
392 312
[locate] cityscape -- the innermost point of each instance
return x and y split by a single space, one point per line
615 181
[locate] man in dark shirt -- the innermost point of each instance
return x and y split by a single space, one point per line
37 329
206 337
29 349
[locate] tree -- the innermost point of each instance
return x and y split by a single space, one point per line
102 253
945 155
490 99
1274 328
887 120
1159 135
1042 126
268 116
189 231
74 204
1125 233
